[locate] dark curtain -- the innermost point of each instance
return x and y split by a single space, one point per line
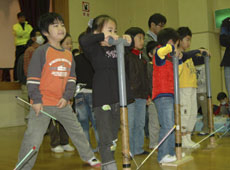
33 9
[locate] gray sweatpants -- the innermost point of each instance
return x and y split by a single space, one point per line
38 125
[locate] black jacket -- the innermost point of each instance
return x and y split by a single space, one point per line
136 70
225 41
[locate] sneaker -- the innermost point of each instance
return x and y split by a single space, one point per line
57 149
94 162
202 133
67 148
186 143
191 142
167 159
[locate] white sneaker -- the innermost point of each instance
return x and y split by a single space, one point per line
191 142
186 143
94 162
67 148
57 149
168 158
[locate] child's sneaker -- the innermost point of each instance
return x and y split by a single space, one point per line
94 162
167 159
191 142
57 149
186 143
68 148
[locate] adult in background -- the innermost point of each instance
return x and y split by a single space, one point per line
225 41
21 32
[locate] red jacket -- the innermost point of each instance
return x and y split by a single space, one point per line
163 81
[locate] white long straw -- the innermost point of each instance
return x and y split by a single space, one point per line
45 113
156 147
208 136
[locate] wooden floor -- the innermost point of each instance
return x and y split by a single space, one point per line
204 159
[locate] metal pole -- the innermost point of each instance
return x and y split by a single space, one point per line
120 43
209 97
177 108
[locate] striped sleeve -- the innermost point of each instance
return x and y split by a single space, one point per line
71 83
34 75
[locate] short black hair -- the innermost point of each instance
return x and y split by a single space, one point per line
47 19
166 34
150 46
20 14
157 18
133 31
183 32
221 96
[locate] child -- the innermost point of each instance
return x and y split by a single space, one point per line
188 85
154 127
103 58
223 109
83 99
59 139
136 69
51 83
202 101
163 91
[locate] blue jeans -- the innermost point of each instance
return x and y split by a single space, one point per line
83 107
136 120
165 109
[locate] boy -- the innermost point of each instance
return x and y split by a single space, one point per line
153 124
136 69
223 108
51 84
188 86
163 91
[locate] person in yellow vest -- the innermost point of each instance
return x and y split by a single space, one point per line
21 32
188 86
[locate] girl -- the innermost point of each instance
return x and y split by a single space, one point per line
59 139
105 84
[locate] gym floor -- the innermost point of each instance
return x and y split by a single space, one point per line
203 158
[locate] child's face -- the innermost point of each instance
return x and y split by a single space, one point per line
139 41
56 32
109 26
67 44
185 42
224 101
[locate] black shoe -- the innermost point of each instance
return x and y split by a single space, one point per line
143 153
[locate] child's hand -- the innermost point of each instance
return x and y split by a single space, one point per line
204 50
62 103
37 108
109 34
178 53
127 38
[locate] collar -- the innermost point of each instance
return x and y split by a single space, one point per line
136 52
153 35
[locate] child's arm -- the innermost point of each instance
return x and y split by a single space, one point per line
162 52
89 39
33 79
70 86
